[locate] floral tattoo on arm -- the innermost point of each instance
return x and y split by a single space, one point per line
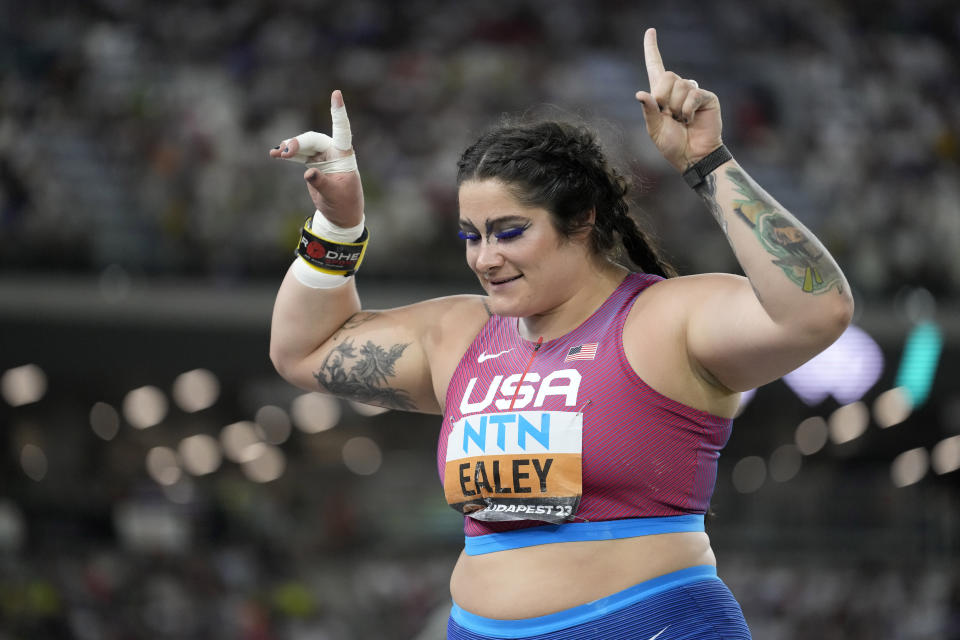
361 373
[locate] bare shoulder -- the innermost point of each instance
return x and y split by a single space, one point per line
438 321
670 301
456 322
687 289
655 339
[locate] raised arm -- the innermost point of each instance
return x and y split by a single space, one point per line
795 300
320 339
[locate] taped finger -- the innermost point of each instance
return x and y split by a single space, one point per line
312 143
342 137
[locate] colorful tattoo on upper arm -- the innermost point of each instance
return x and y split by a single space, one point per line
795 250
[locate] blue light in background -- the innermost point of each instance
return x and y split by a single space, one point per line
919 363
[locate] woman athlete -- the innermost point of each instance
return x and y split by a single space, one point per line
584 405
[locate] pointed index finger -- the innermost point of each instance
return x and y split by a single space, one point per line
342 137
651 54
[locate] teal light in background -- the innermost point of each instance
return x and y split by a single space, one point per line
919 363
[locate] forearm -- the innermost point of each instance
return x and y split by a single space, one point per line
305 318
793 275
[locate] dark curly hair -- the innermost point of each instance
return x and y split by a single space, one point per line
560 167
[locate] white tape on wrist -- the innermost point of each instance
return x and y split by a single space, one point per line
309 276
326 229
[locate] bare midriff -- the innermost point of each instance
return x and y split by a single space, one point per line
544 579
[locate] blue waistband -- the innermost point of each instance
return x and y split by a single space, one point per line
581 531
583 613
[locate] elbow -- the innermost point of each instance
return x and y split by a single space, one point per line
281 361
836 318
843 310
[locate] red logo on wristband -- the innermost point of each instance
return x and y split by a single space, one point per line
316 250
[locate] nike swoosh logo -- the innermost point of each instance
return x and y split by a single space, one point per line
489 356
658 635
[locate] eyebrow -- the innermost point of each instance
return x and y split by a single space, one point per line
490 223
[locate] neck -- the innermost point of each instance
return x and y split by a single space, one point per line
587 297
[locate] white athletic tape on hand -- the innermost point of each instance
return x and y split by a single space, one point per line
337 165
342 138
311 143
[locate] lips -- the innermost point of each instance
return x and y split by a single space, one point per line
505 280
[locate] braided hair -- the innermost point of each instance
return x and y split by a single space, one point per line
560 167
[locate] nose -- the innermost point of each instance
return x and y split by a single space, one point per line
488 256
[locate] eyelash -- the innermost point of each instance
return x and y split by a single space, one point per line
508 234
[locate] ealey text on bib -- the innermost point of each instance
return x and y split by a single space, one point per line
520 465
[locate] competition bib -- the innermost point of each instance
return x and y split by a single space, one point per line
523 465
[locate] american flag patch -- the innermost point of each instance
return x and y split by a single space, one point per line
582 352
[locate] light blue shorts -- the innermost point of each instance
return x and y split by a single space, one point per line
683 605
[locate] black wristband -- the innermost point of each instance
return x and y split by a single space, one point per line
327 256
695 174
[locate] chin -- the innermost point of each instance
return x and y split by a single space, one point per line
510 308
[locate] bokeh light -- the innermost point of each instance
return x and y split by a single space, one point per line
162 465
145 407
315 412
183 491
274 424
749 474
921 353
13 526
892 407
196 390
200 454
33 461
23 385
848 422
237 440
811 435
104 420
909 467
945 457
846 370
362 455
785 463
265 464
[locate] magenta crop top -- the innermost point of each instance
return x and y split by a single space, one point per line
576 448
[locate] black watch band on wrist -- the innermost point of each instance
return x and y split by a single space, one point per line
696 174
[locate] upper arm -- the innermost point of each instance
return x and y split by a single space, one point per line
731 336
387 358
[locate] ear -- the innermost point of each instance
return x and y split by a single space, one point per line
586 226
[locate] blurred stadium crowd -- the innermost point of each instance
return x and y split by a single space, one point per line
135 133
133 145
238 595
